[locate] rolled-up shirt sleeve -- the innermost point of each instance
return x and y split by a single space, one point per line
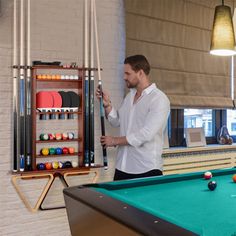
113 118
155 122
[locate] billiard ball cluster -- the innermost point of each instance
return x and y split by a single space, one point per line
57 165
57 151
57 77
212 184
57 136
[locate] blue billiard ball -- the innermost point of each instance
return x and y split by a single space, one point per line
41 166
212 185
58 151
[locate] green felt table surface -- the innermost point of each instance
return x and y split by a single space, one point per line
184 200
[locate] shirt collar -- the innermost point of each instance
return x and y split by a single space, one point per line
150 88
147 90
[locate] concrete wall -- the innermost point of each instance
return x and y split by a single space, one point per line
57 34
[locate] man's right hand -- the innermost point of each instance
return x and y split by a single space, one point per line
105 96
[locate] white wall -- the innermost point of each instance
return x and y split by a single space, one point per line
57 34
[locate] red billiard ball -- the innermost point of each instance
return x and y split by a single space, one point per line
65 150
212 185
234 178
208 175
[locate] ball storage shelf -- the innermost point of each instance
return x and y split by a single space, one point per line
45 84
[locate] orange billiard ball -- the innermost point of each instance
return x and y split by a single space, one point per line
48 165
234 178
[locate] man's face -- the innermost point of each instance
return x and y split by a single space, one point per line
131 77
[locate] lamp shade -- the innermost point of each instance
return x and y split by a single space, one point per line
223 39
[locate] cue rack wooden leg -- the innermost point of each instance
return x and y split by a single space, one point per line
67 174
51 177
63 178
42 195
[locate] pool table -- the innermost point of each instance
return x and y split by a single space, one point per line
166 205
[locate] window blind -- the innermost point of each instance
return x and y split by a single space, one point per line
175 37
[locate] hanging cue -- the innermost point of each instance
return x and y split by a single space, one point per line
102 112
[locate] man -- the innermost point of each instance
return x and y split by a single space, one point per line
142 119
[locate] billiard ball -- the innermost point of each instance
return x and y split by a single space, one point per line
41 166
55 164
52 151
64 136
71 150
212 185
74 164
234 178
44 151
48 165
65 150
208 175
67 164
71 135
58 136
43 137
58 151
51 136
60 164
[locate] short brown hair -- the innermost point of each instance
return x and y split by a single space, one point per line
138 62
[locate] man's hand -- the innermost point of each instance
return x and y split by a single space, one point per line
105 96
107 141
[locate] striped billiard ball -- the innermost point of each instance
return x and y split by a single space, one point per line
208 175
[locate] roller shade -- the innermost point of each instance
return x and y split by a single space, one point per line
175 36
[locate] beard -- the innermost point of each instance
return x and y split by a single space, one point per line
130 85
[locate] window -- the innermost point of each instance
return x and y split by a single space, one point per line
231 122
211 120
233 127
196 118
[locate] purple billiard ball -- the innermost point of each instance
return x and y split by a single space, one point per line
212 185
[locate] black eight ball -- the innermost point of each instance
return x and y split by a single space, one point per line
212 185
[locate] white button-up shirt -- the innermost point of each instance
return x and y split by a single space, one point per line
143 124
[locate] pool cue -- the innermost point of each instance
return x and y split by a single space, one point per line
28 162
102 112
86 88
91 87
15 91
22 88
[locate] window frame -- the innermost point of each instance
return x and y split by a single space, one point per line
176 127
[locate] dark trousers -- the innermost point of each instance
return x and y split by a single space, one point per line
120 175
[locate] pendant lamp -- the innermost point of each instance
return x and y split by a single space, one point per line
223 39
